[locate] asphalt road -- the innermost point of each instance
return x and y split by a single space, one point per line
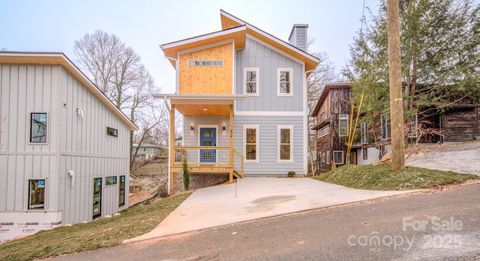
441 225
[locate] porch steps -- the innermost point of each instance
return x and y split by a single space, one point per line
237 174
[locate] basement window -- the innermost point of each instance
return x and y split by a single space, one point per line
343 125
36 194
112 132
365 153
38 127
338 157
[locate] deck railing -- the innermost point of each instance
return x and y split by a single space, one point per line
209 159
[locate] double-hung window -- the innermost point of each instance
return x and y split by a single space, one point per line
343 125
251 142
285 146
284 81
38 127
250 76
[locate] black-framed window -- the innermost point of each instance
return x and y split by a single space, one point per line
112 132
111 180
121 191
364 133
38 127
36 194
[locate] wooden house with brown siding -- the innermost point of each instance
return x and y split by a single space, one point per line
332 125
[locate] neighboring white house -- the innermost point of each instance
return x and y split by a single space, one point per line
146 151
64 147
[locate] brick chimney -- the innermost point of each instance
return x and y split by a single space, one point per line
298 36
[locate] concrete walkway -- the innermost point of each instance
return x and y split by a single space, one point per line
256 198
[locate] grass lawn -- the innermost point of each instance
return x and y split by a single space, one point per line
380 177
101 233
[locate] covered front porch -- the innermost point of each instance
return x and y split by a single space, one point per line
208 147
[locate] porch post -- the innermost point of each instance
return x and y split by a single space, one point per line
172 145
231 156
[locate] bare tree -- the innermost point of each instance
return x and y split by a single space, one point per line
324 73
117 70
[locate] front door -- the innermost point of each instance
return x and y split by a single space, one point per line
208 137
97 197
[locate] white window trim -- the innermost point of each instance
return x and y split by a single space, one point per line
279 127
343 157
257 71
290 70
216 139
257 145
343 117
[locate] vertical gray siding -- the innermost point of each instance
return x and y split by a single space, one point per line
267 162
73 143
25 89
86 149
268 61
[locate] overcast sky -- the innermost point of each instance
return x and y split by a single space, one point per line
55 25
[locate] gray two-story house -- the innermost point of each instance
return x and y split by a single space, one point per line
243 97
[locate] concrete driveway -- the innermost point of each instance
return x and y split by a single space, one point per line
256 198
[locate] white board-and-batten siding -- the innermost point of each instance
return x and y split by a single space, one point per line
74 142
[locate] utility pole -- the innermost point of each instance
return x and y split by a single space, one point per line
395 82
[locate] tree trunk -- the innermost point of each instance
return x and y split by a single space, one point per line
395 82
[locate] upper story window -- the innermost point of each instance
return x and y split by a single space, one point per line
112 132
343 125
284 81
285 149
364 133
385 127
251 143
38 127
250 76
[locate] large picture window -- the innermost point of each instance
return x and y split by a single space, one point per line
36 194
284 81
251 81
343 125
285 148
38 127
251 143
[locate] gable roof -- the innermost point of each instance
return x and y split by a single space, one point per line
59 58
228 20
237 29
326 89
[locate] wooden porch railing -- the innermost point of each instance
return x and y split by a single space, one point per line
221 164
